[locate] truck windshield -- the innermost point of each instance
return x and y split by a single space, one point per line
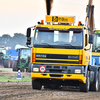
26 52
96 43
59 39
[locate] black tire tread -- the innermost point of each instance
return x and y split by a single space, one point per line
93 85
83 86
6 63
36 84
14 65
29 67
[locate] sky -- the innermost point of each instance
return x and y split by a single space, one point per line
17 15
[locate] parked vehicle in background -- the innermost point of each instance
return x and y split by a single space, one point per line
13 54
5 60
22 62
96 48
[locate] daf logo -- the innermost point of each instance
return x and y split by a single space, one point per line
70 57
40 56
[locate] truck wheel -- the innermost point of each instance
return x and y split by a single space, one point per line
29 67
1 60
22 69
14 65
26 69
84 87
6 63
54 86
47 86
95 85
36 84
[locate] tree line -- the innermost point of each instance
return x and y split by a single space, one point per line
8 41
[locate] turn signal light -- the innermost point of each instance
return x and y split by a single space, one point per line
79 23
42 21
33 57
80 59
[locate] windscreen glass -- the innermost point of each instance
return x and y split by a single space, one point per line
96 43
58 39
26 52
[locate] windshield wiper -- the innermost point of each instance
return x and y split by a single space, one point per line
70 45
46 44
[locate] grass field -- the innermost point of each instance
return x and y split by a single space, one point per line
14 79
6 69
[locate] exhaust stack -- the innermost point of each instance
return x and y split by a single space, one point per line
49 4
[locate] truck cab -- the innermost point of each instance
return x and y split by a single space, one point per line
96 48
61 54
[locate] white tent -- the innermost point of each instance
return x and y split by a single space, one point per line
19 46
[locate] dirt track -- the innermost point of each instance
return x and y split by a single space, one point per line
24 91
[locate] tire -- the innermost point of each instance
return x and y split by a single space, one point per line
1 60
29 67
6 63
36 84
95 85
26 69
47 86
84 87
14 65
22 69
54 86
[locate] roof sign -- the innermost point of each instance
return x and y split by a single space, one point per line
60 19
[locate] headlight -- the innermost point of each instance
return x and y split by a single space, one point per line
77 70
35 69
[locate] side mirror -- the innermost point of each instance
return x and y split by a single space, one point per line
28 41
28 34
91 39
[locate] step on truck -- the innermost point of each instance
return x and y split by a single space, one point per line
61 53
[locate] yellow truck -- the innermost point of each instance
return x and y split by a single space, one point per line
61 54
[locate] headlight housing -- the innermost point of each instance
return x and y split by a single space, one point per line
78 71
36 69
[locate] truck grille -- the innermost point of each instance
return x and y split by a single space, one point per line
54 58
23 60
56 69
52 61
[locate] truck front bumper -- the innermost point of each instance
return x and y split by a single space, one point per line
61 76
